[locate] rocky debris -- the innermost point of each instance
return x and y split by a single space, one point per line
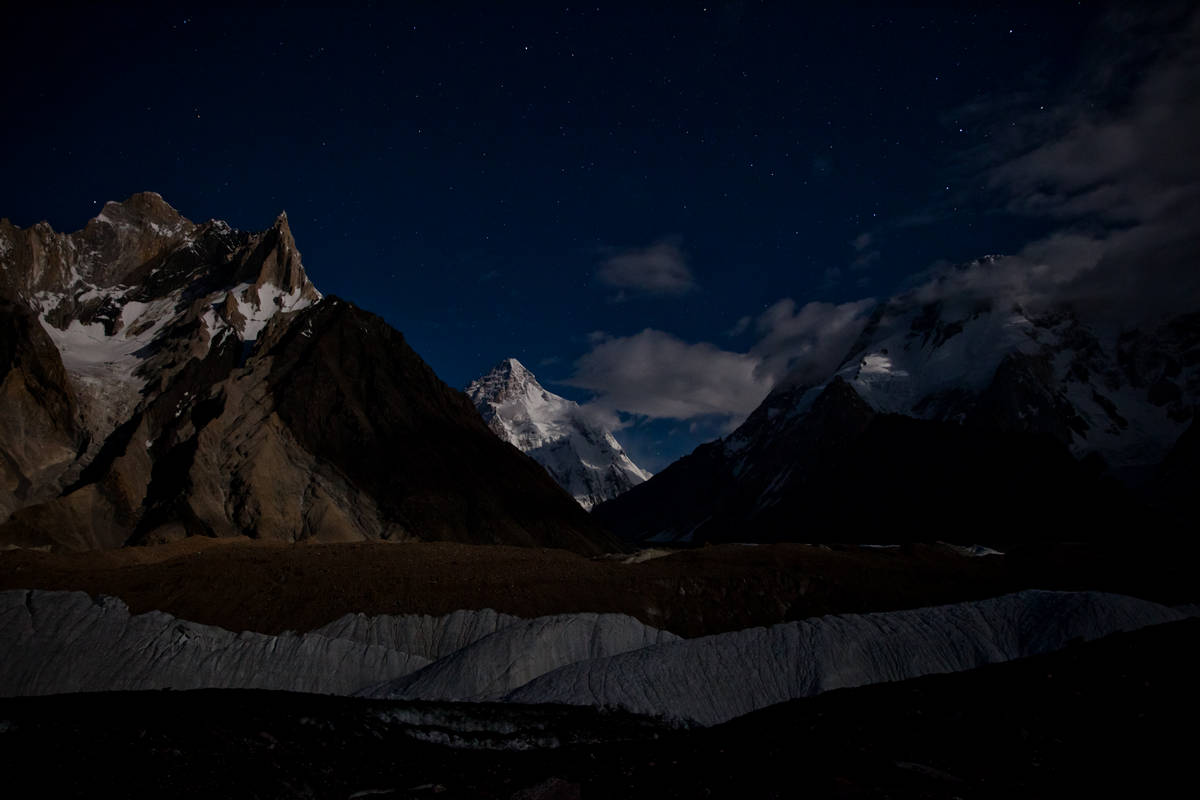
271 587
581 454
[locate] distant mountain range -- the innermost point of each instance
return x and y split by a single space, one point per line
163 378
581 454
955 418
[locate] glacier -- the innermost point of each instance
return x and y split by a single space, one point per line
58 642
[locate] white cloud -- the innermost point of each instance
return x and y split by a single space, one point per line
808 343
660 268
1121 178
658 375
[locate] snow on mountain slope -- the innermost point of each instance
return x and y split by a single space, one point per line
953 397
1125 394
207 389
135 292
584 457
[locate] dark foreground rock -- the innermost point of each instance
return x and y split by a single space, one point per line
1106 717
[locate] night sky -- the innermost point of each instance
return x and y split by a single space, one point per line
655 210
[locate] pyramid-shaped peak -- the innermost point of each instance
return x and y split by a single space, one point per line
508 378
577 449
514 367
510 372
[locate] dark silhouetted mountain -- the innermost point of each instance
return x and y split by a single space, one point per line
952 419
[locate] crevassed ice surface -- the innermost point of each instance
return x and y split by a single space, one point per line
716 678
68 642
495 665
427 636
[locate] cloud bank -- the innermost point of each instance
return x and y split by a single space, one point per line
1115 174
657 375
1120 180
660 268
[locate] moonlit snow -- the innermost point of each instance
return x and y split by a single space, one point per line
581 454
68 642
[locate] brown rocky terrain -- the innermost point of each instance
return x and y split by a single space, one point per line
41 430
165 379
271 587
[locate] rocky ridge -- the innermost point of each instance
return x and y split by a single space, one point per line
199 384
943 407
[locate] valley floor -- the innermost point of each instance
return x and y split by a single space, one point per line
271 587
1112 716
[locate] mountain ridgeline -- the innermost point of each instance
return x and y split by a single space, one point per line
161 379
164 379
959 419
580 453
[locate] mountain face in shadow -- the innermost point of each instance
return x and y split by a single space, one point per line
960 421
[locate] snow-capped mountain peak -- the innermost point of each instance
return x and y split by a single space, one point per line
997 364
954 394
165 379
582 455
121 297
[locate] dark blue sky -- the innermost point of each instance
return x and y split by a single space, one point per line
478 177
